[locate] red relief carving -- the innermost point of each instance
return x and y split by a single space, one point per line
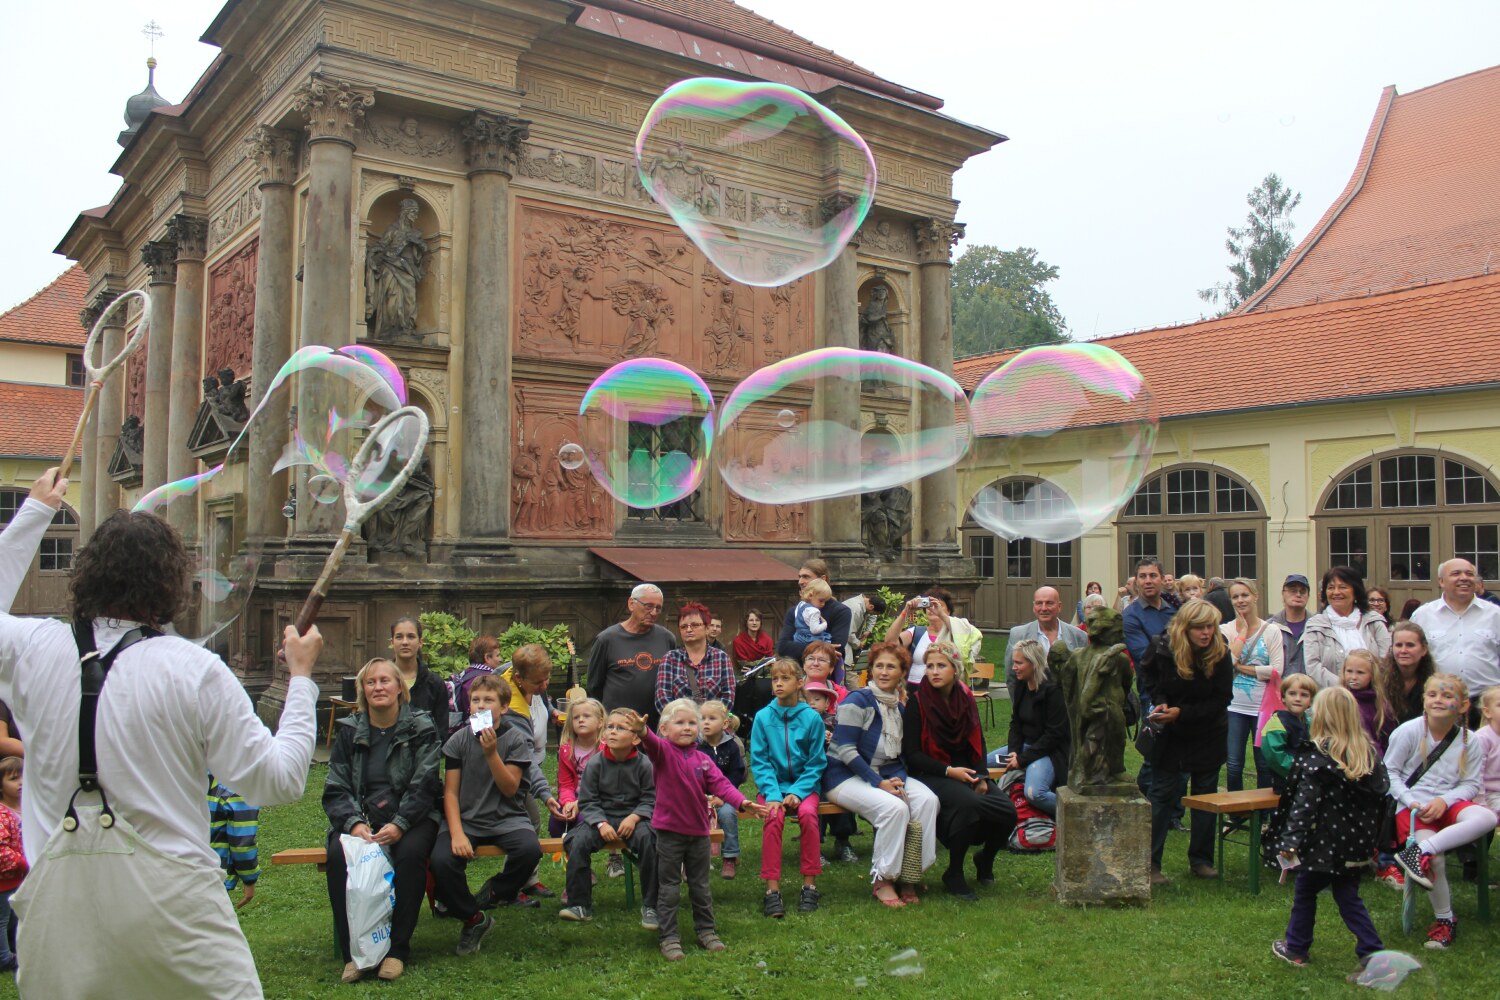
546 499
601 288
231 311
135 384
748 521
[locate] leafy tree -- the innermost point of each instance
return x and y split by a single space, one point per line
1260 247
999 301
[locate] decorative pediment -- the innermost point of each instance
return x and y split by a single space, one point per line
125 464
212 434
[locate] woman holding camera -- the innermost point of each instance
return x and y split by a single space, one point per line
942 626
1190 674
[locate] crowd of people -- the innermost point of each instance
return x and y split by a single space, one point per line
1358 723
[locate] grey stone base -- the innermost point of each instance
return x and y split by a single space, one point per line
1103 849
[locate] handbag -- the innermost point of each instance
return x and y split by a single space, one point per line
1148 741
1390 807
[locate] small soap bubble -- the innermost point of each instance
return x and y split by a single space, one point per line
570 456
703 153
1386 970
904 963
786 418
647 430
860 982
1063 436
324 489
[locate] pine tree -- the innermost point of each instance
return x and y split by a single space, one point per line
1260 247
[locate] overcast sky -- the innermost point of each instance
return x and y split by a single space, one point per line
1136 130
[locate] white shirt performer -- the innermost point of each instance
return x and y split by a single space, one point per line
1463 632
155 921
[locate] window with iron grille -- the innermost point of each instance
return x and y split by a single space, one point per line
661 452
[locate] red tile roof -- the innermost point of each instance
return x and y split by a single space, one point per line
1422 205
51 315
1434 338
37 421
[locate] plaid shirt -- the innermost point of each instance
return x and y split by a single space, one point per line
715 678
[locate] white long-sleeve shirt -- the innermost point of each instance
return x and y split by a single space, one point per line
170 713
1465 644
1405 751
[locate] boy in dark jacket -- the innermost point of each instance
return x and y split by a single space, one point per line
616 798
728 754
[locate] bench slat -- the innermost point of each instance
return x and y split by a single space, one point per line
1224 803
550 845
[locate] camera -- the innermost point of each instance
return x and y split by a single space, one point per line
923 602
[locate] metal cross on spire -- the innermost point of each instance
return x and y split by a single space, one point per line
153 31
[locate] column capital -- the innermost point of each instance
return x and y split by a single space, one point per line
334 108
90 313
832 206
189 233
160 258
274 150
936 239
492 141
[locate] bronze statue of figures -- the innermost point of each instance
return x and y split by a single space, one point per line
1095 682
394 266
875 333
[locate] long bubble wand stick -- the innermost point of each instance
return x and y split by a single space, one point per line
96 376
357 511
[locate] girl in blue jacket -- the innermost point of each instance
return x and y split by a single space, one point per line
787 758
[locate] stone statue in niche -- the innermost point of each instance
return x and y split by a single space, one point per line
402 526
726 335
1095 682
875 332
394 266
229 397
885 517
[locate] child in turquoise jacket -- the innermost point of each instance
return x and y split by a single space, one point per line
787 758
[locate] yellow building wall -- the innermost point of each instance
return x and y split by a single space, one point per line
39 365
19 474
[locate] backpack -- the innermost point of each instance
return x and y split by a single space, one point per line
1035 831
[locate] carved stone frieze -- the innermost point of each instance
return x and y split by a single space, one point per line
407 135
190 234
434 381
232 217
748 521
135 382
556 166
546 499
231 310
160 258
274 151
936 239
677 177
612 175
493 141
775 213
334 108
883 237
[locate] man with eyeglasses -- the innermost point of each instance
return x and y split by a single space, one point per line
625 658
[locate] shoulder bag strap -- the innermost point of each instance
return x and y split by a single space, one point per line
1432 757
95 670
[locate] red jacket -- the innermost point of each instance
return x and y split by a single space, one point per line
568 771
12 860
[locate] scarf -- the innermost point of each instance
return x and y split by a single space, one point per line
1346 630
889 704
949 724
746 648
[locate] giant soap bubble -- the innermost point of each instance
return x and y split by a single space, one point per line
839 422
647 430
765 180
1062 438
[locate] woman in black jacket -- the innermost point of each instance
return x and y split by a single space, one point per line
1040 740
383 787
1190 675
944 748
428 692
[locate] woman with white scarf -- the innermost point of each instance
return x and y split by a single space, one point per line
1346 623
867 775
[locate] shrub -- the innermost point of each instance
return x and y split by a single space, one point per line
445 642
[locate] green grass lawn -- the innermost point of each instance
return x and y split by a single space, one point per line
1195 940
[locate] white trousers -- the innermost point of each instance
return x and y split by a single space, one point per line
890 814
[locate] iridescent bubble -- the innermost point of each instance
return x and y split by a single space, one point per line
647 429
706 138
570 456
862 421
904 964
324 489
1062 438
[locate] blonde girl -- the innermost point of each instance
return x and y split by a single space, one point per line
1189 586
582 729
1488 737
1364 677
1441 803
1336 789
1255 645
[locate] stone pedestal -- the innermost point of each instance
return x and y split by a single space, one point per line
1103 848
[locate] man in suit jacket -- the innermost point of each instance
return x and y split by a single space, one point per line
1049 627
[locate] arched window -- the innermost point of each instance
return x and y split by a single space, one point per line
1395 518
1196 519
1012 570
45 589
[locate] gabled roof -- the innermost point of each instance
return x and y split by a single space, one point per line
37 421
1419 340
1422 205
51 315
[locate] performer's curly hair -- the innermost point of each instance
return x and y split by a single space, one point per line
135 567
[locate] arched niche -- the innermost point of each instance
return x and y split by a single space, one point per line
381 206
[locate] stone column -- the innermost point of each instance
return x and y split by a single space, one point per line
841 404
160 258
491 145
109 411
334 111
190 234
86 464
274 150
939 491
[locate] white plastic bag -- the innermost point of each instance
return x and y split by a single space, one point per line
369 900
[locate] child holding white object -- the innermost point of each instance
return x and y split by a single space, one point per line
808 616
13 866
1435 774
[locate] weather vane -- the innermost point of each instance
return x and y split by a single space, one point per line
153 31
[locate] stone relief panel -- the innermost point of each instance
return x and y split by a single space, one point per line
135 384
748 521
451 55
598 288
885 237
547 500
231 311
233 217
552 165
410 136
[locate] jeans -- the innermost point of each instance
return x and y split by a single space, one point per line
1038 785
1165 796
583 840
729 822
1345 888
1242 728
7 929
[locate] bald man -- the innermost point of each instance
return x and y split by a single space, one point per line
1464 632
1048 627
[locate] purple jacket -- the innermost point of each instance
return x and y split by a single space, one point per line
1365 698
685 777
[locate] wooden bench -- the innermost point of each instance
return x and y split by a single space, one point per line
1251 802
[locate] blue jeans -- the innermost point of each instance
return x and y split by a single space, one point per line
1242 728
1040 776
7 930
729 822
1166 795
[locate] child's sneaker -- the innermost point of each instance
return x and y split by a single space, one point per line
539 891
809 899
472 936
1441 934
1392 876
649 919
671 950
616 867
773 906
730 864
1281 951
709 941
577 914
1416 864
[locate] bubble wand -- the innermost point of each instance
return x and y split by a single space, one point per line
381 445
96 376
